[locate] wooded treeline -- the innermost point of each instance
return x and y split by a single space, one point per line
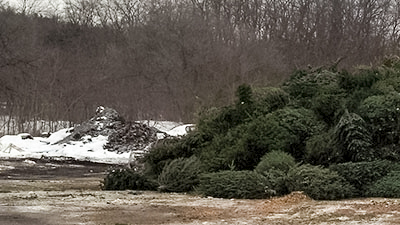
165 59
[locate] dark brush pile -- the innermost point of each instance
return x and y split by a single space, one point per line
122 136
131 136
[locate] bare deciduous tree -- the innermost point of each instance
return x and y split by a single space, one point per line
168 58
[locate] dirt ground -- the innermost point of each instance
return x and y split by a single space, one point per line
48 192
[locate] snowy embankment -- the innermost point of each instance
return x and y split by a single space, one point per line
88 148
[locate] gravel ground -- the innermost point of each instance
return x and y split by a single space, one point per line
49 192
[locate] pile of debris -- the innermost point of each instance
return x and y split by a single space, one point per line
131 136
122 136
104 122
106 137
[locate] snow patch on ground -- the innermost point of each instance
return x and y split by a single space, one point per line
169 127
88 148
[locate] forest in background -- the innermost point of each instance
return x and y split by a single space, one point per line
168 59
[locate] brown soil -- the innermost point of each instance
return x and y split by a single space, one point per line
69 193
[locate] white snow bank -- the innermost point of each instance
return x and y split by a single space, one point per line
180 130
162 126
168 127
88 149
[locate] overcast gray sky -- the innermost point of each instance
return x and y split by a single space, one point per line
39 6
